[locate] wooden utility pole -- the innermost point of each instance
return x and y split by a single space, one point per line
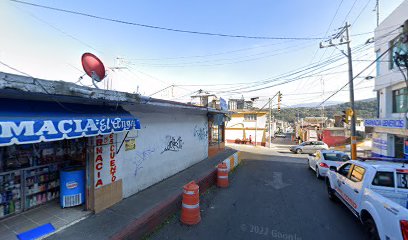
344 38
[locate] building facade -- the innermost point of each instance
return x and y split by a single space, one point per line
390 128
245 125
123 143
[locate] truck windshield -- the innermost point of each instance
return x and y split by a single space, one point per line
336 157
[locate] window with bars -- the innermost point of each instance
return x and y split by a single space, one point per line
250 117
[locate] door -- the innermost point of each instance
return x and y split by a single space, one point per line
308 148
399 147
320 145
313 160
353 186
342 175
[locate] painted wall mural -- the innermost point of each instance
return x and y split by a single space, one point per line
173 144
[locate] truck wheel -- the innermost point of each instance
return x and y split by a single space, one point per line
298 151
371 229
330 191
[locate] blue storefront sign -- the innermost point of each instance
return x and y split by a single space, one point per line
388 123
24 122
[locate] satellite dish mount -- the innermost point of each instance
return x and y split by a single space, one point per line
93 67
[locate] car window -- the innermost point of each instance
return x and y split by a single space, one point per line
384 179
402 180
338 157
357 174
344 170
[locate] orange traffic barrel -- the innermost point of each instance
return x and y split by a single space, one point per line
190 211
222 175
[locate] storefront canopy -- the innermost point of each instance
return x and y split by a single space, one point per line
24 121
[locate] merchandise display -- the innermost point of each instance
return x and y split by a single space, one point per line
29 173
10 193
41 185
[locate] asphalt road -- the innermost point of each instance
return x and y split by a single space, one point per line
271 196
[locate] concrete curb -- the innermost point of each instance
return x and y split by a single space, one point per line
156 216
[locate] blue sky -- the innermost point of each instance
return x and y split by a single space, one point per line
48 44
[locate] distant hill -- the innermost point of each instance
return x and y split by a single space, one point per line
366 108
313 104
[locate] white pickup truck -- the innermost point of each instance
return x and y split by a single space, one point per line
376 191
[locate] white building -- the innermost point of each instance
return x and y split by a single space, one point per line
390 130
247 124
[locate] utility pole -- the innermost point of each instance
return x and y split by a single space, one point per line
377 9
270 119
256 114
351 85
346 40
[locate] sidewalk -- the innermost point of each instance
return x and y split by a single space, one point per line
141 213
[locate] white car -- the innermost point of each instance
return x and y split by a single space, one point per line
322 160
376 192
309 147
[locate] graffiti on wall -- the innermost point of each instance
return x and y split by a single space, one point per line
201 133
141 157
173 144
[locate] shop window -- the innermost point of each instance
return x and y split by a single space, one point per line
29 173
250 117
399 101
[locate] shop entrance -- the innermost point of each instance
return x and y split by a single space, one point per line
399 147
31 183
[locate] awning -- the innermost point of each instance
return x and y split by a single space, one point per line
23 122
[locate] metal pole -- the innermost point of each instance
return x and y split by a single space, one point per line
378 12
351 85
256 125
270 122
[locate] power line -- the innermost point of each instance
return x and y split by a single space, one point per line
362 10
163 28
309 68
356 76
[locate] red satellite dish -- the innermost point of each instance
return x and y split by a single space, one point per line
93 66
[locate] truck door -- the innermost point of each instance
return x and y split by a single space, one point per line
341 176
353 187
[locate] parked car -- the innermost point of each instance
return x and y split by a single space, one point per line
322 160
309 147
280 135
376 193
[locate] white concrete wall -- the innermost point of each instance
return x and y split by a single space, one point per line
389 79
150 163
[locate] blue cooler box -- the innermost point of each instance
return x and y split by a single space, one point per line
72 184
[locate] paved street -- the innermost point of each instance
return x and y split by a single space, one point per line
272 196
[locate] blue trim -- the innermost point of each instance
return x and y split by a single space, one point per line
36 232
35 121
379 155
